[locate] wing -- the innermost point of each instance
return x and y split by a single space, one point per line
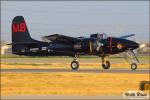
58 38
126 36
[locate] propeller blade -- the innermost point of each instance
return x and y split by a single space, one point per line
142 45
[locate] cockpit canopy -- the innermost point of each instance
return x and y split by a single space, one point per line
99 36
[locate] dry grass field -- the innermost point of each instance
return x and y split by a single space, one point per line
69 83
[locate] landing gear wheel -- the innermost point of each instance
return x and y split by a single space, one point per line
74 65
133 66
106 65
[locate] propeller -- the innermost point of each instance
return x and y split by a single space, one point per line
142 45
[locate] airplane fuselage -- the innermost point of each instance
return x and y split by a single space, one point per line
88 46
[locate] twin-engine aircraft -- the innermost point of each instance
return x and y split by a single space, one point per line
61 45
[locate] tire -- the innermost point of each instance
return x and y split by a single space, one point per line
133 66
106 65
74 65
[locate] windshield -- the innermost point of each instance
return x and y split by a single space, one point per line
99 36
102 36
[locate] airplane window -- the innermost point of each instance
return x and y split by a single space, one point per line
102 36
99 36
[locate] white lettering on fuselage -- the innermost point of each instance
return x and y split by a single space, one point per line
50 50
34 49
44 48
77 46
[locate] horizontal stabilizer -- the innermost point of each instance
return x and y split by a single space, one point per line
22 43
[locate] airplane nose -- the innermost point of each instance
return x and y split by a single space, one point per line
132 45
136 45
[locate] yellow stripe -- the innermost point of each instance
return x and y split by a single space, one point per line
90 46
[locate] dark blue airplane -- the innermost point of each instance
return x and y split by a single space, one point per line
61 45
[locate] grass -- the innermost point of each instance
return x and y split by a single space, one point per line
112 56
69 83
64 62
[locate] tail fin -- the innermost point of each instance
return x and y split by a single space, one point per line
20 35
20 31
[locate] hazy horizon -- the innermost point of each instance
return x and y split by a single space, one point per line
78 18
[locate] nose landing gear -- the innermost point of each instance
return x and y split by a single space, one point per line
130 55
133 66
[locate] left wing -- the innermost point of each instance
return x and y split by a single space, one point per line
58 38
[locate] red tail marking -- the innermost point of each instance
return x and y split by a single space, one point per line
22 27
19 27
15 27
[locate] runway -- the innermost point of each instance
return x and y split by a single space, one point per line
139 71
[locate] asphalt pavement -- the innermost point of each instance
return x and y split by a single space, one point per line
139 71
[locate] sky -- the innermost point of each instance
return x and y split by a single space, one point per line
78 18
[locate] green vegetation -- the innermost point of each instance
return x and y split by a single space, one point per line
112 56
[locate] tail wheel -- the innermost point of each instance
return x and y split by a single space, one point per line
133 66
106 65
74 65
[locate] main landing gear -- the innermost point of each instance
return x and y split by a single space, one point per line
75 64
105 63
